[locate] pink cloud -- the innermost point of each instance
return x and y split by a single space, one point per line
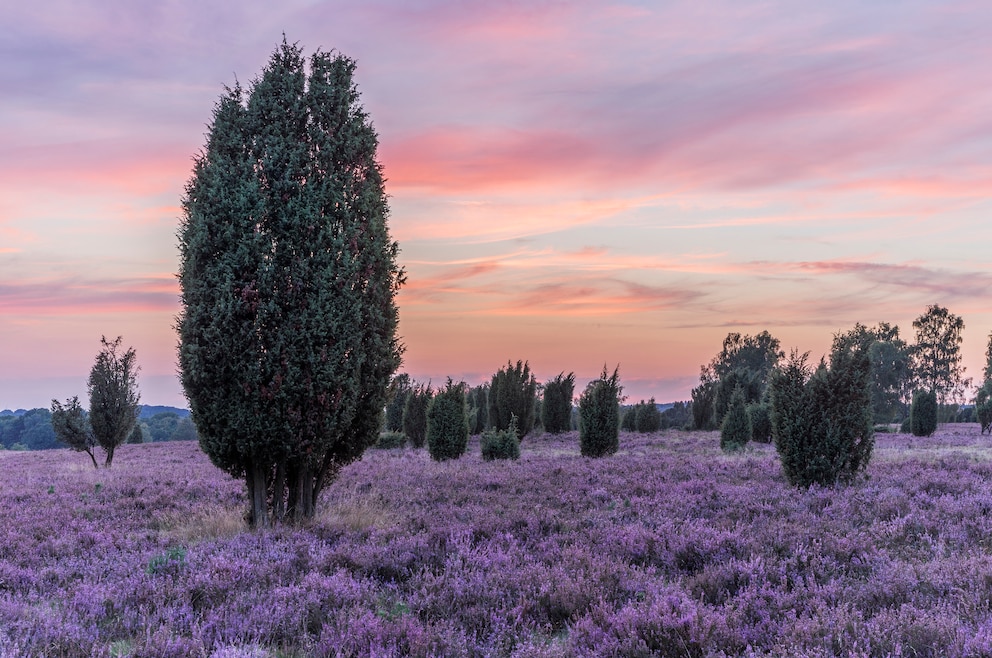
77 295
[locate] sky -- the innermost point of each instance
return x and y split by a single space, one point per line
574 183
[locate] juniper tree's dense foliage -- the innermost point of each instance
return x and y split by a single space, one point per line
821 421
399 389
556 411
288 277
501 444
415 414
923 413
447 426
113 390
599 415
736 429
647 418
512 392
477 399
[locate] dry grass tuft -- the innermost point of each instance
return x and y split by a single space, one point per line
208 522
356 512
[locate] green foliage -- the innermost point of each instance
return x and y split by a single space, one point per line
703 406
71 427
678 416
512 392
983 407
169 562
891 367
399 390
759 413
556 410
599 415
647 418
923 413
821 422
136 436
501 444
288 278
478 409
390 440
937 353
628 418
447 426
415 414
736 429
743 361
113 389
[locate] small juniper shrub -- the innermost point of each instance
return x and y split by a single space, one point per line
501 444
599 416
399 391
447 425
512 392
923 413
415 414
647 418
478 409
736 429
556 410
703 403
759 413
390 440
822 421
628 418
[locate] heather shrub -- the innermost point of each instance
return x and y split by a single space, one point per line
822 421
923 413
501 444
736 429
415 415
647 418
512 392
447 426
759 413
599 416
556 409
389 440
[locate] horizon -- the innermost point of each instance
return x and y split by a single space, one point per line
571 184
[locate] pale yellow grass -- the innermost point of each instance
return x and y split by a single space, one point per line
207 522
355 512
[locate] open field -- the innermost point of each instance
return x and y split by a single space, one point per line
669 548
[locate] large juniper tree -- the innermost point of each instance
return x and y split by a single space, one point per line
288 278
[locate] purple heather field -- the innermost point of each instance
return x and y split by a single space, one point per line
669 548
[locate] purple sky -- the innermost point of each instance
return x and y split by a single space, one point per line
572 183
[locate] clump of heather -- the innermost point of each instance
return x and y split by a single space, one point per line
671 547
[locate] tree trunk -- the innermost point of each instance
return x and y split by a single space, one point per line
93 459
110 457
279 492
258 495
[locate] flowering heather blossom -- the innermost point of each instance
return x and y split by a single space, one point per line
668 548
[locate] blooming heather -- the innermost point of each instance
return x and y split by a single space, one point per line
668 548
